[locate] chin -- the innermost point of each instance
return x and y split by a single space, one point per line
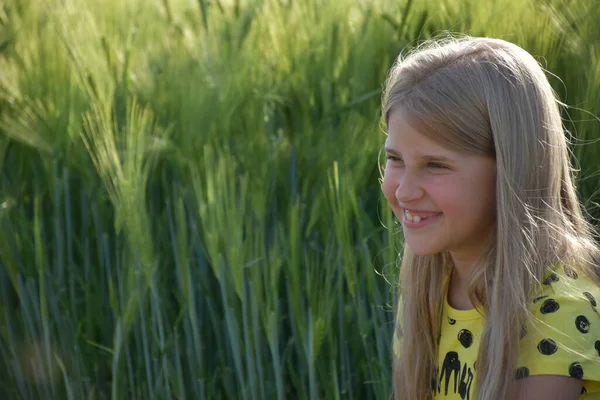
423 251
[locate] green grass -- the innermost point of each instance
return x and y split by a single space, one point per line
190 201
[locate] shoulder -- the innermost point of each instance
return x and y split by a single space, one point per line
564 293
563 336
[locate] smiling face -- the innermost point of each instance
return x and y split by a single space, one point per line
444 198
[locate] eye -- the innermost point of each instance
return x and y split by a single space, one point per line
435 165
393 158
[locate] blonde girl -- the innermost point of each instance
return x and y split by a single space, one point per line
499 279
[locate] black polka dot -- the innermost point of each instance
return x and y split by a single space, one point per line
465 337
590 298
551 279
451 321
597 346
575 370
571 273
547 347
523 331
539 298
549 306
582 324
522 372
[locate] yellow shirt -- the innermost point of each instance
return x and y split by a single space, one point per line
564 320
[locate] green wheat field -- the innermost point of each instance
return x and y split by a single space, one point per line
190 203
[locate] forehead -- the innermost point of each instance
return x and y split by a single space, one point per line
406 134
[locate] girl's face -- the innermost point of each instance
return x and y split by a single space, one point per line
446 200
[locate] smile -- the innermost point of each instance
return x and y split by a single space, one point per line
410 220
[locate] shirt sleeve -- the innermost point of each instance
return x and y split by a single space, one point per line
564 336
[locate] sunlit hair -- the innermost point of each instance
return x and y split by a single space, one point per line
488 97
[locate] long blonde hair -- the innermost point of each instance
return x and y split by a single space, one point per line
490 97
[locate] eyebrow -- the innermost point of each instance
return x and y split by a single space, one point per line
425 157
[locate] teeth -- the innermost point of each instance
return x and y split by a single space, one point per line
412 218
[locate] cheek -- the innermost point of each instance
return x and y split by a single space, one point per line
466 204
451 198
481 195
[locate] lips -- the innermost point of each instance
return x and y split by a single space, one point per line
414 221
422 214
416 218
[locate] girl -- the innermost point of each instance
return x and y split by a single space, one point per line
499 283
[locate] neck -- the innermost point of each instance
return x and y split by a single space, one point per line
461 268
458 288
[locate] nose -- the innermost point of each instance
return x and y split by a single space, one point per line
408 189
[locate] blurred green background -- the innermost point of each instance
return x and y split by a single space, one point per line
190 202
